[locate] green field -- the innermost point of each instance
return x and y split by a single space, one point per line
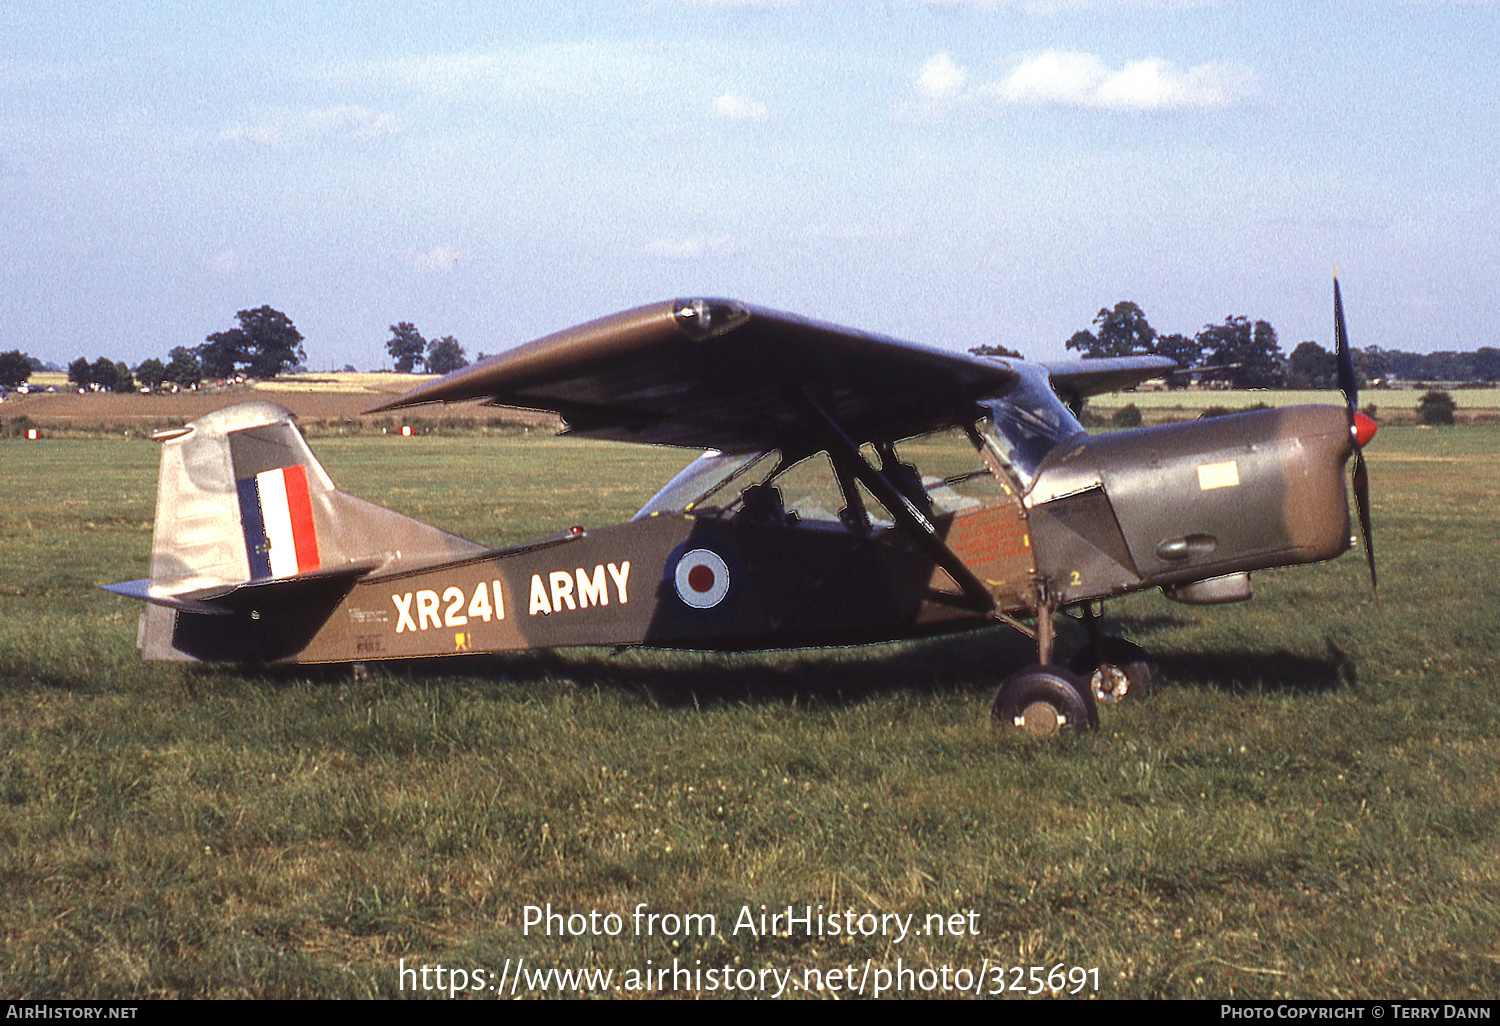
1394 399
1307 809
1389 406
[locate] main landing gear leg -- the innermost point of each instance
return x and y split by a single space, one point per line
1044 700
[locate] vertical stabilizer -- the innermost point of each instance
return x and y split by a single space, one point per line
242 501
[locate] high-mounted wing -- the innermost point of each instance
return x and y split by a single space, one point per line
1076 380
712 373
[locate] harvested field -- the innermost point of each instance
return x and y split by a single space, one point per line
315 407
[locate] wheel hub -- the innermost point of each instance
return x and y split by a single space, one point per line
1041 720
1110 683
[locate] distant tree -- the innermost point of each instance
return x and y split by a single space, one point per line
221 353
183 368
994 350
1123 331
1487 363
445 355
1436 408
275 343
151 373
1252 348
1263 365
1186 352
124 380
1127 416
266 343
15 367
1371 365
106 373
79 372
1311 366
406 346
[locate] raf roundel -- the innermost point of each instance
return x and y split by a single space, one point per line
702 579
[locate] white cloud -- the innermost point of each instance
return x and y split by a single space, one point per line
690 248
1065 78
1071 79
941 78
438 258
735 107
225 261
346 120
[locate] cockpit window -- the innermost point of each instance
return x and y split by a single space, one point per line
755 487
941 473
711 482
1028 423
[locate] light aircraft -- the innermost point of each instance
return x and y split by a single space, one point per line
801 525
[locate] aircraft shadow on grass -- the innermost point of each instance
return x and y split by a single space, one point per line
828 677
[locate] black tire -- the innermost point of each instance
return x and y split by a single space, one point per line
1116 670
1044 701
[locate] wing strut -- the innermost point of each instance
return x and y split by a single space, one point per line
847 458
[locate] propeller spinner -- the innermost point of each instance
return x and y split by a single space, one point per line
1361 427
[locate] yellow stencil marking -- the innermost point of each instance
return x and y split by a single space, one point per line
1218 475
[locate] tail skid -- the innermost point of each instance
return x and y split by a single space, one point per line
247 517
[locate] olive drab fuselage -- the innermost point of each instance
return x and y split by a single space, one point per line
258 558
1104 515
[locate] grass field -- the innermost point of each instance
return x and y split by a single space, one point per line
1392 399
1308 808
1390 406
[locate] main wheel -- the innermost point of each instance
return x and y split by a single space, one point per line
1116 669
1044 701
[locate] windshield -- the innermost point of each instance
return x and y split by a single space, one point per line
697 485
1028 423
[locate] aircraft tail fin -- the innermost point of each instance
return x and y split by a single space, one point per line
243 503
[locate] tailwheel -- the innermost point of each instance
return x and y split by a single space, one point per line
1116 670
1044 701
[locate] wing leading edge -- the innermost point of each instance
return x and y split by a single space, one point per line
1076 380
712 373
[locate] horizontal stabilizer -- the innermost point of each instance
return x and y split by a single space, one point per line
225 601
141 589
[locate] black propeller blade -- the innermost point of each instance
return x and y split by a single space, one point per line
1362 502
1348 380
1349 385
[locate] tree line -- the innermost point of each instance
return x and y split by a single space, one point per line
264 345
1248 354
408 348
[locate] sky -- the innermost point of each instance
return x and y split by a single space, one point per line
952 172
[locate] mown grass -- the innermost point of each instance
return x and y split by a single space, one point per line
1381 398
1307 809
